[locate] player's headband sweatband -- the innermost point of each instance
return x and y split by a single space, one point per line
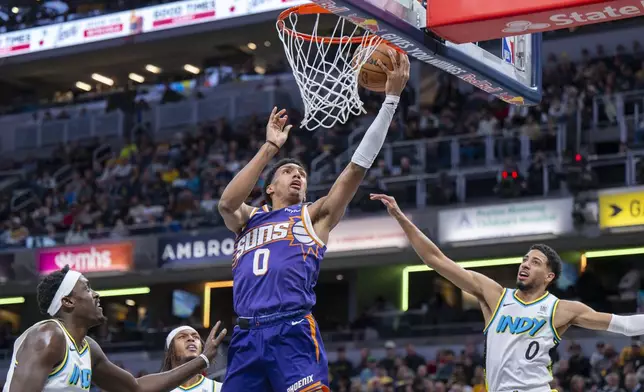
66 287
175 332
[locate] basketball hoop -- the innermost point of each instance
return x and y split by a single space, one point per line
326 67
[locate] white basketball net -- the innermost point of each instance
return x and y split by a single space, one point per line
326 70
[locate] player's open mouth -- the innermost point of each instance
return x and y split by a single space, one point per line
523 275
192 347
297 185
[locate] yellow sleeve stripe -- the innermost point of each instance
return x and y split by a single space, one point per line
496 310
552 321
60 366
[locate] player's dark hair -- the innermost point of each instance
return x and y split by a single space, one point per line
47 288
271 173
171 353
553 259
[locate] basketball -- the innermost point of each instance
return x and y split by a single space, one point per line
371 76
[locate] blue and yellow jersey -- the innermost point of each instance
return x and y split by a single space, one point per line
518 340
72 374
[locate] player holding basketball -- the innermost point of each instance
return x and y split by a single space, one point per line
182 345
276 345
47 357
522 324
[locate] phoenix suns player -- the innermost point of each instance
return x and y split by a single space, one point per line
276 345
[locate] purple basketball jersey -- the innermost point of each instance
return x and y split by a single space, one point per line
276 262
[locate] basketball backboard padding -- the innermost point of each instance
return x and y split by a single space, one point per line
401 25
463 21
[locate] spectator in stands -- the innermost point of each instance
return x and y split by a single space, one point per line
342 367
413 360
577 384
633 353
388 362
632 383
76 235
578 363
612 383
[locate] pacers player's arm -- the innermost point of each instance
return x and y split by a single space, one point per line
43 350
110 377
569 313
485 289
327 211
106 375
231 205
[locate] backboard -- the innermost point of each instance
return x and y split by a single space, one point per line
515 77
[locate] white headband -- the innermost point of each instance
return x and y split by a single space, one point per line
66 287
175 332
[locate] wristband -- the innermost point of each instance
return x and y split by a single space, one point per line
276 146
205 358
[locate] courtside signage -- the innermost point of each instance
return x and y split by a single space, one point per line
129 23
366 234
107 257
621 209
506 220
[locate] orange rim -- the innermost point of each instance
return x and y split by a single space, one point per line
311 9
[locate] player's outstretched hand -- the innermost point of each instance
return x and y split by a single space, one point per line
398 77
389 202
214 340
277 130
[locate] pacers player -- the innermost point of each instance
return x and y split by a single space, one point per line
522 324
56 355
182 345
276 345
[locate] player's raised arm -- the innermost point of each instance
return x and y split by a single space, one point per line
110 377
479 285
42 351
327 212
231 204
576 313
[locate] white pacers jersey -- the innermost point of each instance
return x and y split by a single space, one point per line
73 374
202 385
518 340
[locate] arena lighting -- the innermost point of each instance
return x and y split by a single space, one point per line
136 77
15 10
206 298
83 86
102 79
252 46
123 292
153 69
192 69
404 305
12 300
595 254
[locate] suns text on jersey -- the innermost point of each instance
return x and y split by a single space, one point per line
260 236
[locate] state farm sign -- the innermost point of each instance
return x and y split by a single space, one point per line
503 19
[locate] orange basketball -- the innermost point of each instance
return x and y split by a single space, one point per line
371 75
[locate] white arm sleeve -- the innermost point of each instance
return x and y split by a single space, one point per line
374 138
627 325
